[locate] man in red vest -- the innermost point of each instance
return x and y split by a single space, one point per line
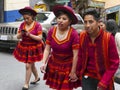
98 57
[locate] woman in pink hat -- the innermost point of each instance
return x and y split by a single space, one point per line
29 49
61 51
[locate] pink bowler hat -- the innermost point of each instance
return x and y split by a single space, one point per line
66 9
28 9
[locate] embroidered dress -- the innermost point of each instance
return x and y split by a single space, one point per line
60 60
29 50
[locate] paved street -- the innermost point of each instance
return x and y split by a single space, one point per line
12 74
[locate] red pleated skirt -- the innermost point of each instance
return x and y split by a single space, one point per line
57 75
28 53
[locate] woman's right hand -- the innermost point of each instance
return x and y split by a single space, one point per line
43 68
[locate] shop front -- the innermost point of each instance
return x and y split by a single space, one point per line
113 13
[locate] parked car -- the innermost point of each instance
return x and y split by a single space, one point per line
8 31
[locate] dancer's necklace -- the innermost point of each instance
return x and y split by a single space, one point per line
63 35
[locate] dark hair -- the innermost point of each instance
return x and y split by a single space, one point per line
103 20
63 12
93 12
112 26
30 14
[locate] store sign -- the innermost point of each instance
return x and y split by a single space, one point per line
96 4
62 1
113 9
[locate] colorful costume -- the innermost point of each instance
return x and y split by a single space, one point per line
60 60
98 60
29 50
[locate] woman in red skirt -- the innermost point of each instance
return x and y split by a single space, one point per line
29 49
61 51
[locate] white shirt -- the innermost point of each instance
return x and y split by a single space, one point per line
117 40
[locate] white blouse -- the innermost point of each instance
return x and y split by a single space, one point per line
117 40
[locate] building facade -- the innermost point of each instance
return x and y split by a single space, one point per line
1 10
112 10
9 9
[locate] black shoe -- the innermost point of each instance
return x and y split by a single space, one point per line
34 82
24 88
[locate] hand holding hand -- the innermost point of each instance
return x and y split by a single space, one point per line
73 77
100 88
43 68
